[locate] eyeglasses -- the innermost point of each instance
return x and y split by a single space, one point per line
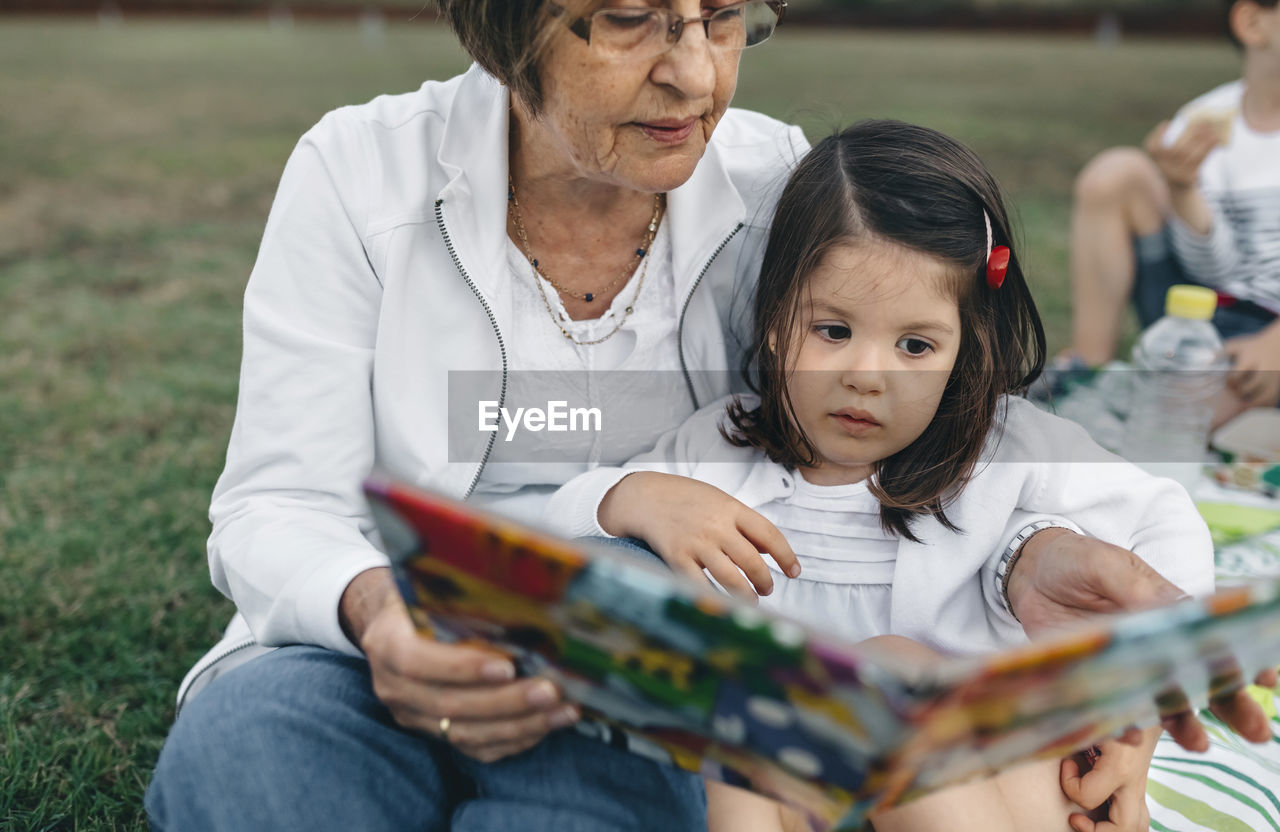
640 33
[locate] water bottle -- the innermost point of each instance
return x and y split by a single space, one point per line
1181 372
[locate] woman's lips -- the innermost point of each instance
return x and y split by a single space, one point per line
668 131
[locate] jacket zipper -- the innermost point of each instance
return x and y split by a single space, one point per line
684 368
209 662
502 347
251 641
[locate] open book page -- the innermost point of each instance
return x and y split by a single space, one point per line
713 685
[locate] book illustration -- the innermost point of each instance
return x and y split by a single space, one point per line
692 678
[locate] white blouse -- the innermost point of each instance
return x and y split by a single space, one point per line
846 559
633 378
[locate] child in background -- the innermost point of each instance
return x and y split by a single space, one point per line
1200 205
892 324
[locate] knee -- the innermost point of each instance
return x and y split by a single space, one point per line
212 722
259 718
190 758
1119 175
205 746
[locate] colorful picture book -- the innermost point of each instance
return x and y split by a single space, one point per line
713 685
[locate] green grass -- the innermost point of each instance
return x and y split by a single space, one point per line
137 164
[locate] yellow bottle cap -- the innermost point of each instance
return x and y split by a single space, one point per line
1195 302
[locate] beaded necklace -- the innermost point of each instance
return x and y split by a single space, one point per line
641 259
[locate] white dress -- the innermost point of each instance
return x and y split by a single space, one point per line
846 559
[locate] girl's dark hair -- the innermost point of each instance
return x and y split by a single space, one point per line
914 187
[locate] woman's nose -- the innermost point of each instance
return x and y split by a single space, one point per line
689 67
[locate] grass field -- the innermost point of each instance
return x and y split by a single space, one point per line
137 164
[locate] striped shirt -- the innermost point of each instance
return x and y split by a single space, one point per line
1241 184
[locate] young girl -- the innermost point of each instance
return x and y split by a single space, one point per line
883 446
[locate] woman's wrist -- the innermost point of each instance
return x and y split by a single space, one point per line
368 594
1026 545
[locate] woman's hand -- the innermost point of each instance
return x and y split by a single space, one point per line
422 682
694 526
1113 786
1063 578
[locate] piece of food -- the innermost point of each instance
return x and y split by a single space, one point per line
1220 121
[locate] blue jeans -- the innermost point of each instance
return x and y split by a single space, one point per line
296 740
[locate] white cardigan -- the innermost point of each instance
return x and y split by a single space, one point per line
1035 466
380 273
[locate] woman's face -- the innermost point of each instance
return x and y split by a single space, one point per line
642 124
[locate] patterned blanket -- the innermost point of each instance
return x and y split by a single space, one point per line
1235 786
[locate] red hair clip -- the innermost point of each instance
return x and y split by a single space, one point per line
997 258
997 265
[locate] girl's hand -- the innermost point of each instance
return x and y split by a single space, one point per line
694 526
1114 786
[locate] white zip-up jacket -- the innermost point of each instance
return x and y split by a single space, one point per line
380 272
944 593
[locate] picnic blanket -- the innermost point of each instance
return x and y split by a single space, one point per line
1235 785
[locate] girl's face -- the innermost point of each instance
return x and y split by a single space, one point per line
878 335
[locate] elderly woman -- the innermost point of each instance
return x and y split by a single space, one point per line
581 199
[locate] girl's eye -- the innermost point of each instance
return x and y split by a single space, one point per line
833 332
915 346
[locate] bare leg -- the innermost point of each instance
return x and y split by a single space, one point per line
1033 796
973 807
1119 195
1028 797
734 810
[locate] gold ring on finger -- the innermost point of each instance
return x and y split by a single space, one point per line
445 722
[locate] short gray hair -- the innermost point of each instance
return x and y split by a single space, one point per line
507 37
